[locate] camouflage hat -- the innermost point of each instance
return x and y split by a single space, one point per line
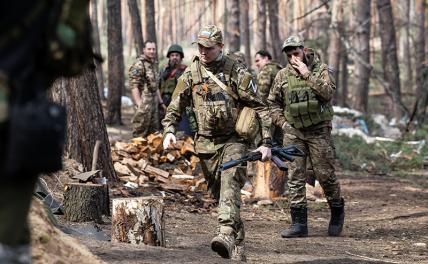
209 36
292 41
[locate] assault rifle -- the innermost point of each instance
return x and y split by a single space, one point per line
279 155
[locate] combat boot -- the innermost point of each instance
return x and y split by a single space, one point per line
337 217
299 223
238 253
223 244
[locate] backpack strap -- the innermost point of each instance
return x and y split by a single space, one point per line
195 69
228 66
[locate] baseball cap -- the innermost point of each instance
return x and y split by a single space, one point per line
292 41
209 36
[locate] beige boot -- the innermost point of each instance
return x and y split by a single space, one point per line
224 242
238 253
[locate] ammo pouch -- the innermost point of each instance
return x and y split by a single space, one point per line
36 136
193 123
248 125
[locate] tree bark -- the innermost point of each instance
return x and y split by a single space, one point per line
260 40
85 202
344 80
421 88
150 21
360 89
85 122
274 31
408 82
138 220
137 31
334 50
245 29
233 31
389 54
97 47
116 77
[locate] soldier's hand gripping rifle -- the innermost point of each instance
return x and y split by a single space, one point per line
279 155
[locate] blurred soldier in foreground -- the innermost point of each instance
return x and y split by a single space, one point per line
35 49
301 104
216 87
143 81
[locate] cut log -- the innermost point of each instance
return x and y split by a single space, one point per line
85 202
150 169
268 182
138 220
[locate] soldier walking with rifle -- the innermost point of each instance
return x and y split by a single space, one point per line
300 102
216 88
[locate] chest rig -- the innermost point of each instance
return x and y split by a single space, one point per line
303 108
215 109
169 79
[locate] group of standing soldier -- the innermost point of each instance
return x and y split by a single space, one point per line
292 103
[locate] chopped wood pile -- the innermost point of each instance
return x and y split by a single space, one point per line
144 166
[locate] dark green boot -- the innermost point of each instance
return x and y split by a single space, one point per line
337 217
299 223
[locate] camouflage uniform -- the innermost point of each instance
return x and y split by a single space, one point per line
315 139
216 141
265 79
143 75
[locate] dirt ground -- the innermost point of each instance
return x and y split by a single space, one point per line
386 222
386 217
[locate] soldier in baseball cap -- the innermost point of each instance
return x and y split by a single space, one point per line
209 36
292 42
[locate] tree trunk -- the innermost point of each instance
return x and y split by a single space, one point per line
334 50
360 89
150 21
344 80
260 41
137 31
391 71
85 122
408 82
274 31
233 31
138 220
245 26
421 88
97 47
85 202
116 77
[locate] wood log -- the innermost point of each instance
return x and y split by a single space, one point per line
138 220
268 181
85 202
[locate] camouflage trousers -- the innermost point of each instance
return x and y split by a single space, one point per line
319 147
146 118
226 186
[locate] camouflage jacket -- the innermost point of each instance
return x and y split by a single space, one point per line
265 79
318 79
143 75
169 78
216 111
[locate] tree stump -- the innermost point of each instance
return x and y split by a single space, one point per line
85 202
268 182
138 220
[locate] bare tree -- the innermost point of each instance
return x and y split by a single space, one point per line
260 41
137 31
233 32
97 47
362 48
245 29
421 89
85 121
274 30
389 55
150 21
115 62
334 47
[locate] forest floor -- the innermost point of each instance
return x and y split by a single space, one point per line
386 222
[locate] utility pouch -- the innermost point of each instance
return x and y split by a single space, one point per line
248 125
193 123
36 136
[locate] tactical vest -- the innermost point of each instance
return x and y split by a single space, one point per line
303 109
215 109
169 82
